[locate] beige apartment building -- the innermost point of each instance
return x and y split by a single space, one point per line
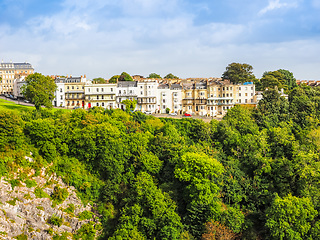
74 92
194 97
100 95
11 71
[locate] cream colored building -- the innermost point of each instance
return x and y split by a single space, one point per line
100 95
11 71
194 97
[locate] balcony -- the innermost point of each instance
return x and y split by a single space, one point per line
74 97
127 95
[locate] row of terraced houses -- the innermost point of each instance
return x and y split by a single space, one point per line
204 97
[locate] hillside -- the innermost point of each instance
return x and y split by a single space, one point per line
253 175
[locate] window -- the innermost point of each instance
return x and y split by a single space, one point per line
97 89
246 94
164 107
97 97
239 94
61 97
239 100
239 88
101 89
97 104
246 100
67 87
223 88
230 88
88 89
120 100
60 89
72 87
102 97
111 89
102 104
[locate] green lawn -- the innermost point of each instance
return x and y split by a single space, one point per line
8 105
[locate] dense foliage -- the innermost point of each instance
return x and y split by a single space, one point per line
239 73
39 89
253 175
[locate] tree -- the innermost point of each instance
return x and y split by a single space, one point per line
291 82
130 104
290 217
99 80
39 89
273 80
125 77
171 76
114 79
239 73
154 75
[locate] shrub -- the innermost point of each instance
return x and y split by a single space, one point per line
59 195
70 209
14 183
86 231
21 237
55 220
40 193
30 183
85 215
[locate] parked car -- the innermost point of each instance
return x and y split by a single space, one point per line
173 114
26 101
187 115
76 107
147 112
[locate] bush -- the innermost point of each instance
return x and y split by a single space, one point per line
55 220
85 215
40 193
30 183
59 195
70 209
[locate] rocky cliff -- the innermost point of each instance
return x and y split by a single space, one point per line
43 207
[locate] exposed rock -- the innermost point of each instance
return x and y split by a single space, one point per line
21 212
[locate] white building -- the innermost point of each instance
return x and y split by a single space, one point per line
169 96
17 85
59 94
100 95
245 93
147 96
126 90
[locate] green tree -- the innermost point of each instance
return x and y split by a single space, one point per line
11 129
130 104
290 82
290 217
171 76
273 80
114 79
154 75
125 77
99 80
239 73
272 109
39 89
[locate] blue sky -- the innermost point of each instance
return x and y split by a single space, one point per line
189 38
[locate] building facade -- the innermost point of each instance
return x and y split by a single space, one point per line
11 71
100 95
147 96
126 90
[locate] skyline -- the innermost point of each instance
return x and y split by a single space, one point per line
183 37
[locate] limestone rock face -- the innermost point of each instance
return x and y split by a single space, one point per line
22 212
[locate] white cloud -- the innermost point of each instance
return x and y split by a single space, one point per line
275 4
